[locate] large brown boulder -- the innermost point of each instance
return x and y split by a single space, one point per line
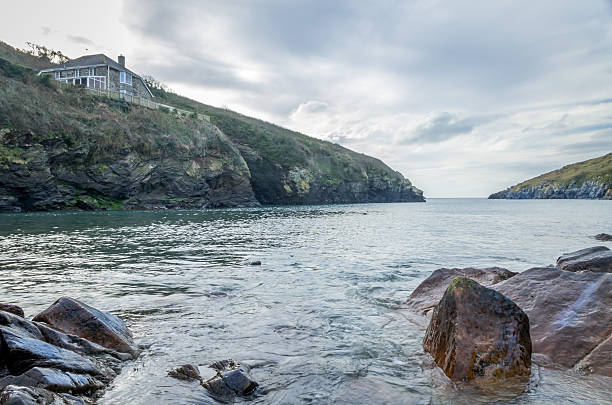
476 333
596 259
427 295
76 318
570 315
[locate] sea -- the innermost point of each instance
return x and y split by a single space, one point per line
321 320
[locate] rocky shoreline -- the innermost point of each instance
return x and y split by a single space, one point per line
484 324
66 354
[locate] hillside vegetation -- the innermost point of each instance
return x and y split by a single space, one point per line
63 148
589 179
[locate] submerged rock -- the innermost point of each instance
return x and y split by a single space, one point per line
186 372
231 379
596 259
570 315
476 333
427 295
74 317
13 309
604 237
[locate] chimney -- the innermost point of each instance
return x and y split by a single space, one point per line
121 60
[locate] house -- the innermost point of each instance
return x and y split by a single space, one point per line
100 72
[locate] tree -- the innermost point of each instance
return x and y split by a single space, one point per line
153 83
43 52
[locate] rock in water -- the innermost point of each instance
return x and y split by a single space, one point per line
186 372
427 295
604 237
13 309
570 315
478 334
74 317
597 259
232 379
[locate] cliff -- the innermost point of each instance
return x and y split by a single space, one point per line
62 148
591 179
288 167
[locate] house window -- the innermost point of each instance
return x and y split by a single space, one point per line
91 72
57 75
125 77
97 83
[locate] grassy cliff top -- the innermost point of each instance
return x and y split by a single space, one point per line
598 168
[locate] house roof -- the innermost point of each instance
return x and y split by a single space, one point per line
91 61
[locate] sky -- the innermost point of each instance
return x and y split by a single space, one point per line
464 98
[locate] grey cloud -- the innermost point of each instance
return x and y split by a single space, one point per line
46 30
441 127
599 144
80 40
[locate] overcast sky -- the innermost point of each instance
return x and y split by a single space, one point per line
464 98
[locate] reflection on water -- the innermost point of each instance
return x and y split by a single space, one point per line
318 321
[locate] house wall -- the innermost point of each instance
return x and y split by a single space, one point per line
140 89
113 80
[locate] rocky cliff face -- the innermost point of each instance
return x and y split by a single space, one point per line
587 190
275 184
591 179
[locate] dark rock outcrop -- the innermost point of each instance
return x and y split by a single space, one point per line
428 294
51 176
13 309
43 365
74 317
604 237
476 333
596 259
570 315
231 379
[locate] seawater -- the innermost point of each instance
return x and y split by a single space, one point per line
319 321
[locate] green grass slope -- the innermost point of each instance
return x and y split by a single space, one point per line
588 179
